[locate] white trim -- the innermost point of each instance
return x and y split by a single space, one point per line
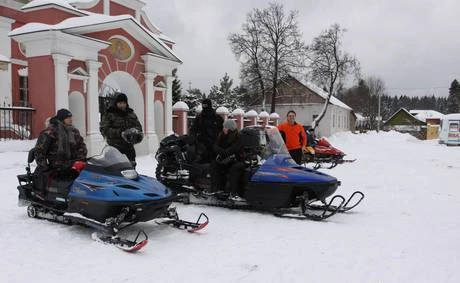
6 22
12 4
79 71
30 8
83 5
98 22
157 64
56 42
19 62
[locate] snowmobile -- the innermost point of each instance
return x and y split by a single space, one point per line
271 182
324 155
108 195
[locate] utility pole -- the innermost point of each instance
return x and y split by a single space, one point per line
378 116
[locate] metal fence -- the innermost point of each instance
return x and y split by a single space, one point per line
15 122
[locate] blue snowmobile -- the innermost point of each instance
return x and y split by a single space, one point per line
107 195
272 180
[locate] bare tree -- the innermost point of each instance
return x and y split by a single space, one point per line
248 48
376 91
329 64
272 44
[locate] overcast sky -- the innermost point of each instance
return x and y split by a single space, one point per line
409 44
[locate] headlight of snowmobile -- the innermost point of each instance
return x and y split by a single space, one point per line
130 174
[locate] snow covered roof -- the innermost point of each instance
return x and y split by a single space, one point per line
323 94
44 4
98 22
404 110
453 116
4 58
422 115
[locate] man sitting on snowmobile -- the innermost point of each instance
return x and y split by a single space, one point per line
59 149
121 127
205 129
228 162
311 138
294 136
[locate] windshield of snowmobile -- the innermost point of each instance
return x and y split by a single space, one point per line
111 161
273 143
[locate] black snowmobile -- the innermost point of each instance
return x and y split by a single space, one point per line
272 180
108 195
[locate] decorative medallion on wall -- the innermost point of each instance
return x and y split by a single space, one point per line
122 49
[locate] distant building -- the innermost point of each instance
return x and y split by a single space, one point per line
307 100
403 121
56 54
432 119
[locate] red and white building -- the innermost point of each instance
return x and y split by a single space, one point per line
65 54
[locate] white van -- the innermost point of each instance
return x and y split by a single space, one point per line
450 129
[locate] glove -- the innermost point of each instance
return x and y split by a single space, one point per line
217 149
78 166
132 136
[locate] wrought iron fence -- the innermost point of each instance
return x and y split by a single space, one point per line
15 122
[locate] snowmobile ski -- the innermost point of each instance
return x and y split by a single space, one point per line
349 204
191 227
317 214
126 245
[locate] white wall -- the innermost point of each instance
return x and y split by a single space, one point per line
335 120
5 50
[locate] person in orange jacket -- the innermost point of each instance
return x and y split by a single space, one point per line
294 136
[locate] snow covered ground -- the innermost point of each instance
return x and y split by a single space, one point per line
406 230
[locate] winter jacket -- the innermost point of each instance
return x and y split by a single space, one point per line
58 146
114 122
293 135
228 144
207 126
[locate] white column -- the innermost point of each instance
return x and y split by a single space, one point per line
61 81
168 106
106 7
5 50
152 137
94 139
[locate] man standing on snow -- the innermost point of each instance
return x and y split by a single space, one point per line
121 127
294 136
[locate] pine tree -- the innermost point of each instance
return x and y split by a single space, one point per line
176 87
453 101
224 95
193 97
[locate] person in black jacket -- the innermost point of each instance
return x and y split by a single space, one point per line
121 127
58 150
205 128
228 162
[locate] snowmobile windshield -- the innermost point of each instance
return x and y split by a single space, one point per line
273 143
111 161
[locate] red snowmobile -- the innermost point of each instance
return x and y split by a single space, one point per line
323 154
